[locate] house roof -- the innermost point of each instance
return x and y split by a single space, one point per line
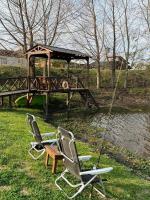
10 53
117 57
61 53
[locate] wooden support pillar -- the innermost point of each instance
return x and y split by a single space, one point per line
69 97
47 97
31 66
2 101
29 73
68 104
10 101
48 70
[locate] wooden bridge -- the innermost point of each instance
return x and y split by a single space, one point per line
38 85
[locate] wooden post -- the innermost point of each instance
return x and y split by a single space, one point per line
10 101
28 79
48 70
2 101
47 106
68 104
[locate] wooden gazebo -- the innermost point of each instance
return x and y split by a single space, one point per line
50 52
46 84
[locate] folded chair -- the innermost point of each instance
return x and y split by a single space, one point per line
39 144
72 165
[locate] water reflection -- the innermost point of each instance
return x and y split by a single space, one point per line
131 131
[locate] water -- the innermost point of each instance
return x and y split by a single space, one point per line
131 131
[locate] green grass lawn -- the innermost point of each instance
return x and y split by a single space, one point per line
22 178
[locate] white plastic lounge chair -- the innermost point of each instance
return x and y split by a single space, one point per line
39 143
72 164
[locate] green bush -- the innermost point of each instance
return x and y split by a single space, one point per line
11 71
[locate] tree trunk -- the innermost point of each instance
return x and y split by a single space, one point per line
114 47
98 75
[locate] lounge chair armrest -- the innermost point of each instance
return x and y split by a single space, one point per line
48 134
97 171
84 158
33 144
50 141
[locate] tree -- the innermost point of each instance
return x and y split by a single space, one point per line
145 11
111 39
88 32
27 22
55 14
19 22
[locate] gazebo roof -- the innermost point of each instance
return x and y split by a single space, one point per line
57 52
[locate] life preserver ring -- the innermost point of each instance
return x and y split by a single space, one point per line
65 84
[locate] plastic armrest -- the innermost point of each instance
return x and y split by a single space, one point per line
33 144
47 134
84 158
97 171
50 141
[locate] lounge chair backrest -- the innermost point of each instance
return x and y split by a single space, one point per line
36 131
34 127
30 118
68 150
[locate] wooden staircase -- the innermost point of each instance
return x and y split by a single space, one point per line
87 96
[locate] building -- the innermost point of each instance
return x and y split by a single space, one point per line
120 62
106 63
12 58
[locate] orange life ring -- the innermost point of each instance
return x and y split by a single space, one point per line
65 84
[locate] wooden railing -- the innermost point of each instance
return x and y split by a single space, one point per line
13 84
38 83
56 83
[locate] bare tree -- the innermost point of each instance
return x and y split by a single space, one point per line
28 22
112 33
114 44
88 32
130 33
145 10
53 15
126 38
19 22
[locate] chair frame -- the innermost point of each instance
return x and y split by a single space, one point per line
93 173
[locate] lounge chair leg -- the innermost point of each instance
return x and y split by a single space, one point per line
54 166
46 160
99 192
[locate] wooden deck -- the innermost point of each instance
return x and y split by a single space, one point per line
23 85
